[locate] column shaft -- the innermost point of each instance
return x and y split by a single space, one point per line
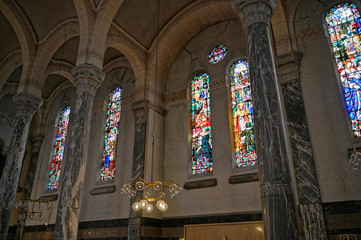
87 79
279 215
300 143
26 105
141 110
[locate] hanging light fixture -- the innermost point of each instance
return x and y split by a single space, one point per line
154 191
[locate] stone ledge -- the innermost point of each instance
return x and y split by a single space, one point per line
51 198
195 184
102 190
244 178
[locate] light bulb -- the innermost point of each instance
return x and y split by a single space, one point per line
160 204
143 204
149 208
157 185
132 193
139 185
136 206
161 195
164 207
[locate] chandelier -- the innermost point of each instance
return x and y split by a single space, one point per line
153 191
355 159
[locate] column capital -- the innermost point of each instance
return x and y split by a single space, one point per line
288 66
87 78
36 141
26 104
141 109
253 11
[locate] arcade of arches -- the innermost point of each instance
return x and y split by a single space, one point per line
252 106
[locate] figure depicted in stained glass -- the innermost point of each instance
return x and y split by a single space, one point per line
217 54
58 153
201 125
111 134
242 107
344 27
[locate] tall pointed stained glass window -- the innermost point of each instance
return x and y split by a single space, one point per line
202 160
344 28
242 109
58 154
111 134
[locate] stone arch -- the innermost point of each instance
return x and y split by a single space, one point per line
190 21
25 36
49 45
64 69
9 65
135 56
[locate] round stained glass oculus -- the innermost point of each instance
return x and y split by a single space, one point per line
217 54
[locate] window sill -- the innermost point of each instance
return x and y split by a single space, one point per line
204 183
243 178
102 190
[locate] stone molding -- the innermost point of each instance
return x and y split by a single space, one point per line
301 37
176 96
88 52
254 11
141 109
87 78
26 104
218 83
288 66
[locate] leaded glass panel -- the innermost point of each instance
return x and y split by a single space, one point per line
111 134
242 108
217 54
201 125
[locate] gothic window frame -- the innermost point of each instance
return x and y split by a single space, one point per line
328 7
235 168
106 96
54 138
190 148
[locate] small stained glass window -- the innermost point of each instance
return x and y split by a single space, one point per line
58 154
217 54
344 28
202 160
242 108
111 134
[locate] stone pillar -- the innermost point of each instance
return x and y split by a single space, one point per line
36 142
279 214
26 104
141 110
305 171
87 78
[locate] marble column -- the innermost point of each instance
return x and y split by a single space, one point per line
313 224
36 141
26 104
279 214
87 78
141 110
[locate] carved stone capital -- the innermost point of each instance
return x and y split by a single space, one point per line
87 78
26 105
288 66
36 141
253 11
141 109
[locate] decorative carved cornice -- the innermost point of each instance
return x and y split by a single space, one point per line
254 11
301 37
218 83
176 96
87 78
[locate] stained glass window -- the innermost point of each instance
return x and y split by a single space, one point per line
58 154
111 134
344 27
201 125
242 108
217 54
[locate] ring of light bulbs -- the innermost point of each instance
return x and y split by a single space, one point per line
148 197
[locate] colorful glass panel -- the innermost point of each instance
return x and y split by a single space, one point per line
111 134
242 108
201 125
58 154
344 27
217 54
